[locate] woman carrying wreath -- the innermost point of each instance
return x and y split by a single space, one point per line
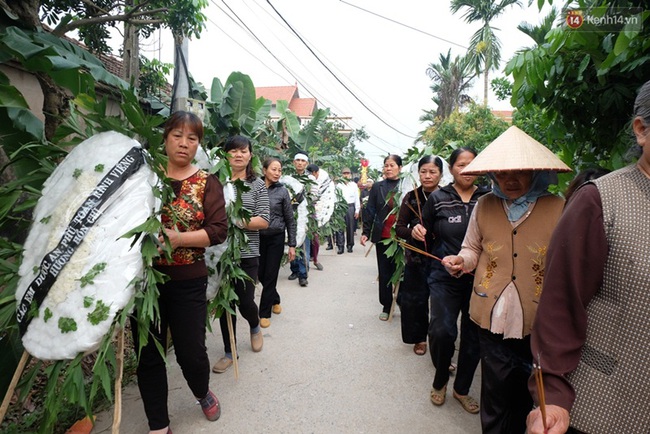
193 220
256 201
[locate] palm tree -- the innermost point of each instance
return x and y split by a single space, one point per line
451 79
538 32
485 47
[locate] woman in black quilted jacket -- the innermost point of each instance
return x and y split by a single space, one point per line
272 240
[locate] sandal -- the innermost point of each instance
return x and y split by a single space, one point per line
438 396
469 404
383 316
420 349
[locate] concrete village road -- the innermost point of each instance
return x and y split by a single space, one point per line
329 365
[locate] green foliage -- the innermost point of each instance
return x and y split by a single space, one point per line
67 324
99 314
476 129
451 79
233 109
484 46
87 118
153 76
394 250
584 82
229 266
96 269
92 18
335 150
502 88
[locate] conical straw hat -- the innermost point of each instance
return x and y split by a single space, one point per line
514 150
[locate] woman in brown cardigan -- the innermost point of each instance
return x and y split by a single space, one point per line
506 242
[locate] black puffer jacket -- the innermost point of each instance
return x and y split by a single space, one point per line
281 213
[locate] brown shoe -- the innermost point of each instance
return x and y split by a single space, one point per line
420 348
265 322
277 309
222 365
257 341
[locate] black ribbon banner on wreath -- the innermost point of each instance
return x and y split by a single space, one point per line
83 219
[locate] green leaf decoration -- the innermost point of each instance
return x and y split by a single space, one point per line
99 314
87 279
67 325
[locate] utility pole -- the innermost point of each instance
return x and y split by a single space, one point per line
131 53
181 80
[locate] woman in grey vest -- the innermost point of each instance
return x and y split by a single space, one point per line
593 323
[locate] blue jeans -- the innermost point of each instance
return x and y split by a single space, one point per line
300 265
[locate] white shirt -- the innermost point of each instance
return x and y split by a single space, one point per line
350 193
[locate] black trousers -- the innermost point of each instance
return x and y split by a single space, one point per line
448 300
413 300
183 309
506 365
386 268
271 250
349 229
245 290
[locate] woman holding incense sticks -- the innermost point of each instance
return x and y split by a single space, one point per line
413 298
591 333
446 215
506 242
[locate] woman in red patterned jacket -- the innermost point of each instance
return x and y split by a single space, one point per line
193 220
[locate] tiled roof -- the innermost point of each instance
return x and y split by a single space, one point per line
275 93
506 115
302 107
113 64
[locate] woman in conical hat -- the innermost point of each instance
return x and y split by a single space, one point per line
505 244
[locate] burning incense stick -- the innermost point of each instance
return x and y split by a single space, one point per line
417 200
422 252
539 381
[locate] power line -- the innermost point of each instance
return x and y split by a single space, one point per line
279 61
404 25
237 42
316 77
335 76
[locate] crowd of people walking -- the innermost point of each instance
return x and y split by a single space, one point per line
551 296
